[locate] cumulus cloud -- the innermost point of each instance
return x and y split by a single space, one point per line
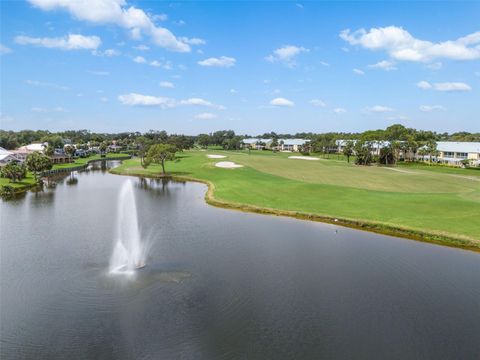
4 49
384 65
429 108
134 99
141 47
70 42
339 110
119 13
378 109
107 53
445 86
281 102
139 60
358 72
223 61
402 46
318 102
166 84
205 116
46 84
99 73
193 41
286 54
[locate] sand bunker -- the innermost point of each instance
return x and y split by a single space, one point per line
400 170
216 156
303 158
227 165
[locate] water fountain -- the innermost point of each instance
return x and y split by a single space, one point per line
129 252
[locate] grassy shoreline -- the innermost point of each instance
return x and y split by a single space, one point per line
227 189
378 228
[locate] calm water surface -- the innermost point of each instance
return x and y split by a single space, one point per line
221 284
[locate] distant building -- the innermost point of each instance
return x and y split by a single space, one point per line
7 157
256 143
292 144
454 153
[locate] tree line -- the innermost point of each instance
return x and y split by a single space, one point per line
227 139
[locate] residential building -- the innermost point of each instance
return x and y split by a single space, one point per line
7 157
455 153
292 144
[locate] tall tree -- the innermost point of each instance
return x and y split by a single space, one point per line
348 149
37 163
13 171
159 154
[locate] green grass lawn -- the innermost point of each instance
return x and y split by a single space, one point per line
417 199
27 182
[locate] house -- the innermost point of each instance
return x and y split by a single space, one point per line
256 143
292 144
7 157
22 152
454 153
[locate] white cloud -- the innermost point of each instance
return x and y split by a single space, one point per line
324 63
107 53
164 102
384 65
166 84
435 66
429 108
445 86
193 41
44 110
223 61
4 50
146 100
281 102
378 109
141 47
160 17
401 45
424 85
358 72
200 102
233 91
117 12
286 55
205 116
339 110
99 73
46 84
139 60
70 42
452 86
318 102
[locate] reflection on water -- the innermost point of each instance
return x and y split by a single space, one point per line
221 284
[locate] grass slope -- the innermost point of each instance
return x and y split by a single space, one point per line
436 203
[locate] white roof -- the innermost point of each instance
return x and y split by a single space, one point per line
452 146
293 141
33 147
252 141
4 157
4 151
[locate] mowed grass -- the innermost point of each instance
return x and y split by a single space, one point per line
438 203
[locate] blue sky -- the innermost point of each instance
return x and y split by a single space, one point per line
254 67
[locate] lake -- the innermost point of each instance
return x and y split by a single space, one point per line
221 284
